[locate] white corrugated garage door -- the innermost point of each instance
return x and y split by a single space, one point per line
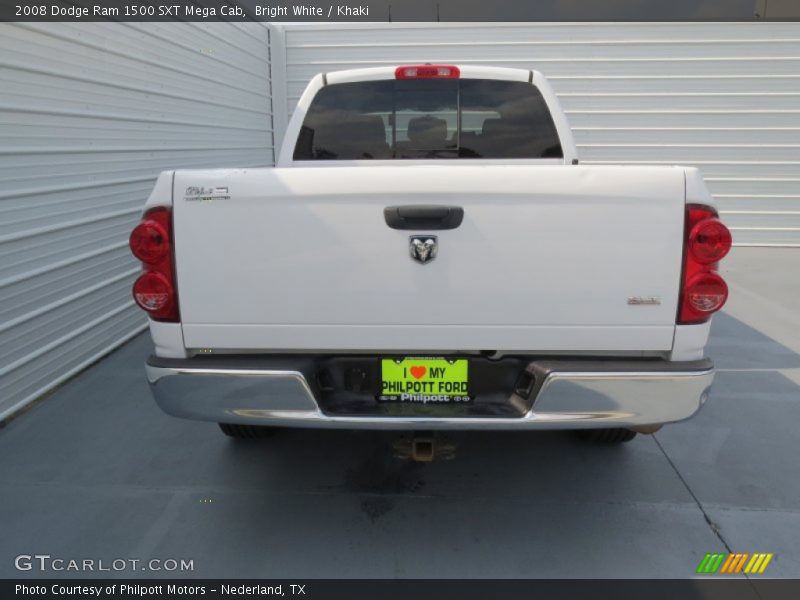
89 114
722 96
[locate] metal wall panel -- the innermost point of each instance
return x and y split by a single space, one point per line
724 97
90 113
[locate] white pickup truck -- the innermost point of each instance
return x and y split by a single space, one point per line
428 254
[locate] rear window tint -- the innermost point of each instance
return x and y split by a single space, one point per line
428 118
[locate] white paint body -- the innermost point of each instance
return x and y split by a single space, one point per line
299 258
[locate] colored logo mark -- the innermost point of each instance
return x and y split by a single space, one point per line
740 562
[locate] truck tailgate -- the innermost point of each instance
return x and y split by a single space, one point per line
547 258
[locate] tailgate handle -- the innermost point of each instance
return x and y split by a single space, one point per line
421 217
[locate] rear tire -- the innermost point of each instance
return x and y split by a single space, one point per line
245 432
607 436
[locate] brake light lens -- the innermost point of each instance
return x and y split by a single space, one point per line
427 72
706 241
151 242
709 241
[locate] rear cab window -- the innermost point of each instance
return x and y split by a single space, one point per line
428 118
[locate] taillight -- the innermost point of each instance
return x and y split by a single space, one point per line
151 242
153 292
706 293
707 240
427 72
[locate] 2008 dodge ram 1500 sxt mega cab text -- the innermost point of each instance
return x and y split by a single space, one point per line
428 254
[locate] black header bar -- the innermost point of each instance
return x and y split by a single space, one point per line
405 589
385 10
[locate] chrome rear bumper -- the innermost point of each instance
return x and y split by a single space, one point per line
566 395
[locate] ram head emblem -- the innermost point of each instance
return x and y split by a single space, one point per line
423 248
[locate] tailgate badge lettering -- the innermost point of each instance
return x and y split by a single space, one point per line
204 194
423 248
644 300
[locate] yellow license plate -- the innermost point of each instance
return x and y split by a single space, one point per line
424 380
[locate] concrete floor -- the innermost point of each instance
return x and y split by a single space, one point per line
97 471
